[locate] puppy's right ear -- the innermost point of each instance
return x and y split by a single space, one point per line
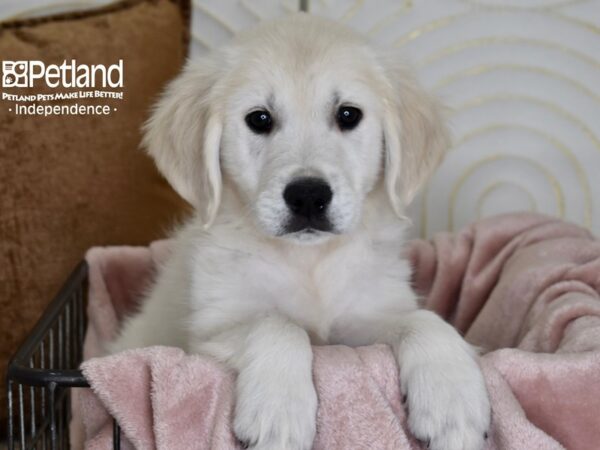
183 136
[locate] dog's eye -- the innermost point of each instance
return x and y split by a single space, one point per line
259 121
348 117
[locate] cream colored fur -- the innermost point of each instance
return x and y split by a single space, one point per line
240 290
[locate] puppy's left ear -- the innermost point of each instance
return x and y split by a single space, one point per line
415 135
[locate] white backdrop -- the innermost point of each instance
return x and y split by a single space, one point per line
522 79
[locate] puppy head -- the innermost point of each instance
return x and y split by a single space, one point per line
302 118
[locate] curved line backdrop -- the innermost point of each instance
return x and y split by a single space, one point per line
522 81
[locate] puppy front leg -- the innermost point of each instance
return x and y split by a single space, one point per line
276 401
444 389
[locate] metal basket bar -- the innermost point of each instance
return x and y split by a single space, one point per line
44 369
19 368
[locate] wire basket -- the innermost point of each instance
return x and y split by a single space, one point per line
44 371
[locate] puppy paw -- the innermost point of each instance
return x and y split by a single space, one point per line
275 414
448 405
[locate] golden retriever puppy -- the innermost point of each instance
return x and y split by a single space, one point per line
299 145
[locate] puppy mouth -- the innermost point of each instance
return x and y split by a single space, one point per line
311 225
307 236
306 232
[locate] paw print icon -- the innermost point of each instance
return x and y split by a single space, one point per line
14 74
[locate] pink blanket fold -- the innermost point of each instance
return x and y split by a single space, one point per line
523 287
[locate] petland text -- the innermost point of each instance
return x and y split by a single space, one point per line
69 74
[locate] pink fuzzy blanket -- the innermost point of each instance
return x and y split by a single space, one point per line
523 287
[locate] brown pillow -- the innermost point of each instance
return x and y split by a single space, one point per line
68 182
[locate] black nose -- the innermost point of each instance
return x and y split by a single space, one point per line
308 197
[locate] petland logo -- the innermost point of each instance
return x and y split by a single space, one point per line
24 74
85 84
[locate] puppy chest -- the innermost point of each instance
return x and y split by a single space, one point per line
318 292
336 299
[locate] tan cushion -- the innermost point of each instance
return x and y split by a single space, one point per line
68 182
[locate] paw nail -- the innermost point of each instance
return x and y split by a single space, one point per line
485 435
404 398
